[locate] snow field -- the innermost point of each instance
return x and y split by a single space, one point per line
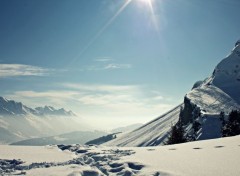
218 157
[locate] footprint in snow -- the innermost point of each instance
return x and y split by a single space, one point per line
219 146
197 148
114 165
117 169
172 149
90 173
150 149
157 174
135 166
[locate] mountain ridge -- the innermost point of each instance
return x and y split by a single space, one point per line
13 108
219 92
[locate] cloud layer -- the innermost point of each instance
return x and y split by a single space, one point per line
14 70
125 103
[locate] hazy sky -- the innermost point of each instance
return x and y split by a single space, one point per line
113 62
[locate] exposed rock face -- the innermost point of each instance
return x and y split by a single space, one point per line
186 114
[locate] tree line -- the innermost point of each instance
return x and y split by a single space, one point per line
230 127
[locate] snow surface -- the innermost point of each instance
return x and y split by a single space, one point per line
34 154
220 92
218 157
212 99
152 133
226 75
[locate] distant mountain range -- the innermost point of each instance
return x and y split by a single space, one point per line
19 122
13 108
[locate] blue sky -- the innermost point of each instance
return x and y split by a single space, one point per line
117 61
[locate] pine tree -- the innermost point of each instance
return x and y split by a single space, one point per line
222 118
177 134
232 126
196 125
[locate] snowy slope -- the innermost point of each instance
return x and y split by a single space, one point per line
226 75
152 133
202 158
211 99
219 92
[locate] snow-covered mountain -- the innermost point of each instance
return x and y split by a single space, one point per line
19 122
11 107
226 75
219 92
49 110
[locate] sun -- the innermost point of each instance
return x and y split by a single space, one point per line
147 1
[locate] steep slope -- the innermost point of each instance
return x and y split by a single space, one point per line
226 75
219 92
150 134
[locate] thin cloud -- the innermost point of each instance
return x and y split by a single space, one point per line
104 59
114 98
111 66
117 66
14 70
100 87
108 100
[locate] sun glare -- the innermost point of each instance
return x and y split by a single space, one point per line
146 1
149 3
